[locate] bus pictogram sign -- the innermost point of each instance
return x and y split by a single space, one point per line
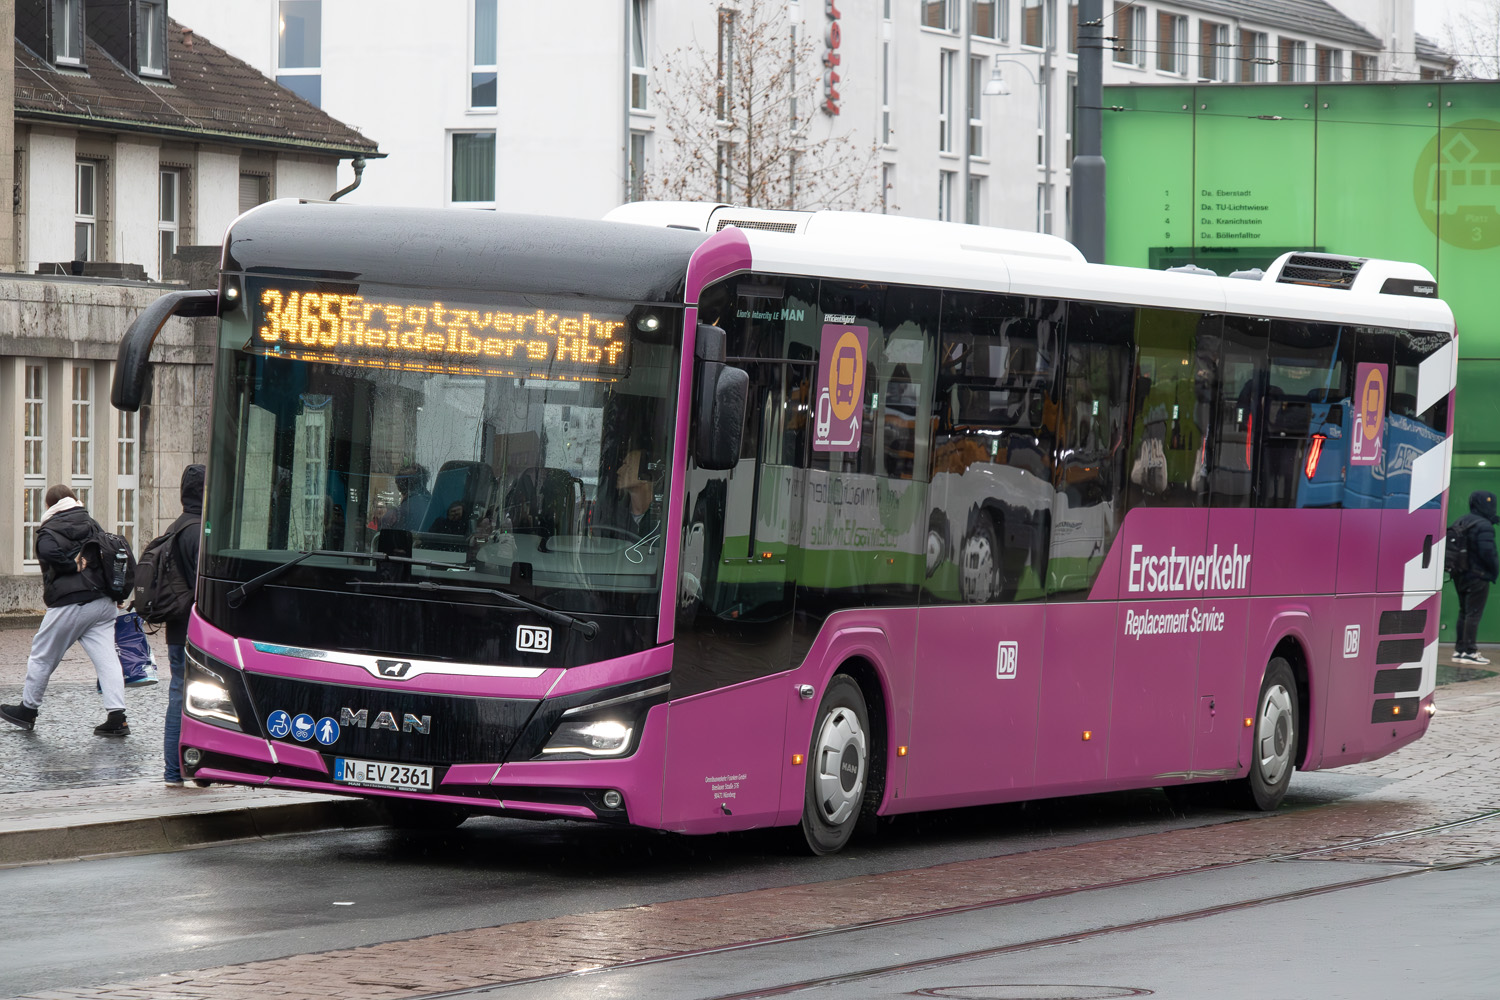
1369 415
841 387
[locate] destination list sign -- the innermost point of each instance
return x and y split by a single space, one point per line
1233 215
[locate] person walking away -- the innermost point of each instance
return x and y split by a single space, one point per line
1477 571
78 610
188 528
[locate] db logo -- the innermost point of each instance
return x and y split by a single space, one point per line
1351 641
1005 661
534 638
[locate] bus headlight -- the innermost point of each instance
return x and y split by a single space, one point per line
590 738
206 696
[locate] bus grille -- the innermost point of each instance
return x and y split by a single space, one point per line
1326 272
775 227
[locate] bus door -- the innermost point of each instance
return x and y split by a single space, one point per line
734 620
1089 503
1163 549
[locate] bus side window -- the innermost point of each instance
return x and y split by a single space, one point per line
1091 447
1166 439
1410 433
1237 360
1307 431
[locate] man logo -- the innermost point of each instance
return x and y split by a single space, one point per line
533 638
1351 641
1006 658
393 668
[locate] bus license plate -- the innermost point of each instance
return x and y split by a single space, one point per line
377 774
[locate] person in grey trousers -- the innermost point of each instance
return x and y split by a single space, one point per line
77 611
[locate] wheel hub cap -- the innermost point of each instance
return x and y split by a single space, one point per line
1274 735
840 761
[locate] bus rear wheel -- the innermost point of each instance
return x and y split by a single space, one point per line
838 768
1273 753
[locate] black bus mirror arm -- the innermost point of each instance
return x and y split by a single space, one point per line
134 365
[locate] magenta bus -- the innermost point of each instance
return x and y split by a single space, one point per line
706 520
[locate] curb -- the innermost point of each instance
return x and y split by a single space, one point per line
182 831
23 620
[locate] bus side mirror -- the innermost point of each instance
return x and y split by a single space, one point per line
135 347
720 404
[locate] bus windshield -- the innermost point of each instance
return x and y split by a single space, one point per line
478 459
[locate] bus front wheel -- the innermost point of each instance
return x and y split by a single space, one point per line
1273 753
838 768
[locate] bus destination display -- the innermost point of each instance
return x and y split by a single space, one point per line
433 336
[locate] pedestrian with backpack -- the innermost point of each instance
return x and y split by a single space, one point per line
1474 565
81 565
165 583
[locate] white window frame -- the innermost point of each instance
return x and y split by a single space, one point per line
151 37
947 61
165 226
1049 14
475 66
887 187
947 11
1216 52
127 473
887 85
724 170
451 144
1172 50
67 26
999 19
86 223
975 102
1296 65
1133 51
81 432
947 188
1256 60
286 71
640 55
1335 64
640 163
974 201
33 456
724 69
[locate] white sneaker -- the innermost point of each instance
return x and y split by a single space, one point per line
1477 657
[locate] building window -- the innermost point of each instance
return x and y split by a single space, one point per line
640 80
1253 57
1034 26
151 37
990 19
947 181
1072 120
85 209
483 69
977 77
1073 27
940 14
1330 64
1171 43
1130 36
169 217
975 200
724 171
299 49
33 451
473 169
946 60
637 190
1363 68
1213 51
80 463
887 187
1043 208
254 190
67 31
1291 60
724 75
885 92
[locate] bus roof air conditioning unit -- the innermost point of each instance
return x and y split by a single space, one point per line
1325 270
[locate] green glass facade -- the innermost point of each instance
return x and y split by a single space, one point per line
1231 176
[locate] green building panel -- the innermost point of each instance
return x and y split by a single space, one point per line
1230 176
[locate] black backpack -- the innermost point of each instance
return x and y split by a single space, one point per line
112 560
1457 548
161 587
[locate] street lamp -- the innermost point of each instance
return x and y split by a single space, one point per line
996 86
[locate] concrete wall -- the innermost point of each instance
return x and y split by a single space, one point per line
216 190
136 209
304 177
63 322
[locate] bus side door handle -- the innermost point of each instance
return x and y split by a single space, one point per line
1427 552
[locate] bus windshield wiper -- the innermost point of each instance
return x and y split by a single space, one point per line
238 594
587 629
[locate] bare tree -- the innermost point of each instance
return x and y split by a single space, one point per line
1474 39
741 121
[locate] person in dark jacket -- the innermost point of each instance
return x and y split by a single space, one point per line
77 611
189 528
1473 585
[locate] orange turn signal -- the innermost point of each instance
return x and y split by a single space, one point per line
797 760
1249 722
901 751
1088 734
1395 709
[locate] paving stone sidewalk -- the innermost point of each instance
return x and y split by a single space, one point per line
1451 775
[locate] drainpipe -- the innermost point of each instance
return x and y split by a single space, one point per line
963 25
358 163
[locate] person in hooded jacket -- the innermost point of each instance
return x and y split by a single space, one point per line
1473 585
189 528
78 611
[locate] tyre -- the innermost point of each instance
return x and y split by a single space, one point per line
838 768
979 563
1273 754
421 816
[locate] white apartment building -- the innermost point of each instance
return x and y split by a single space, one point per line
492 103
